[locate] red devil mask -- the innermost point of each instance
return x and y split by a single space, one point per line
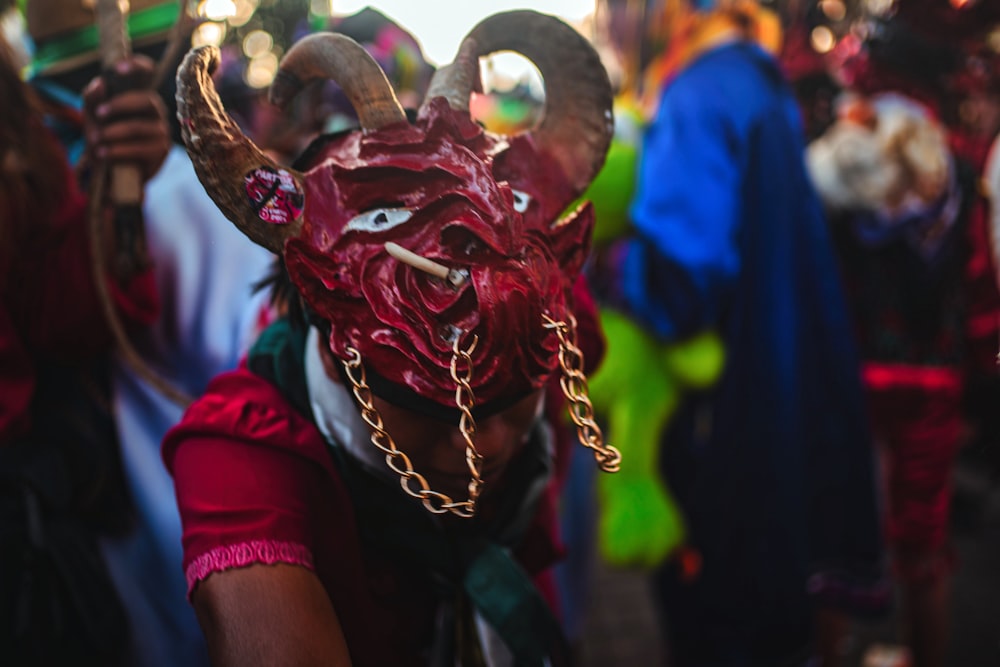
406 237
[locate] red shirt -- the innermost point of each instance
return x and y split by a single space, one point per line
50 309
256 483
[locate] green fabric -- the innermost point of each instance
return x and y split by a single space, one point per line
637 389
143 23
510 603
277 356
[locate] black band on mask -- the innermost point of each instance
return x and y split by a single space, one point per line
407 399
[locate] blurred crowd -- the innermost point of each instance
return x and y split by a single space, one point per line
785 291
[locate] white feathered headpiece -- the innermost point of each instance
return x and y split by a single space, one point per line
885 153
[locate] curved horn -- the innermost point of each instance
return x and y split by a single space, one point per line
223 156
577 124
340 58
455 82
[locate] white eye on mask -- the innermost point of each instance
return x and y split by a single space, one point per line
521 200
378 219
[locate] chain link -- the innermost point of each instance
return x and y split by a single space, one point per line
574 386
466 400
412 482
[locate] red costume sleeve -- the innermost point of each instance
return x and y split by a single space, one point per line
246 467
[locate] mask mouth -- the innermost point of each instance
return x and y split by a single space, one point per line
407 399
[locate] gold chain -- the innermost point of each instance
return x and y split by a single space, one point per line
574 386
412 482
465 400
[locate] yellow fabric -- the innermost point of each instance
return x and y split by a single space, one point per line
687 33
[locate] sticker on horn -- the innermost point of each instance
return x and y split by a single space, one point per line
274 195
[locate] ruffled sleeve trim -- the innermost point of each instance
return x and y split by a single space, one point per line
243 554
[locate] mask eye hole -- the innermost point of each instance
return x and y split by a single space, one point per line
379 219
521 200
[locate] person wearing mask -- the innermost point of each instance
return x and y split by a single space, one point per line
370 488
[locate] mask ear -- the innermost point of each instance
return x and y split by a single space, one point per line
569 239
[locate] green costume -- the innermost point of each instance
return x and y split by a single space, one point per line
638 386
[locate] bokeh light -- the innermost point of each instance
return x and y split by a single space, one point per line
216 10
257 43
261 70
822 39
879 7
209 34
244 11
835 10
993 40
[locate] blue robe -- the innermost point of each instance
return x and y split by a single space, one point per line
773 467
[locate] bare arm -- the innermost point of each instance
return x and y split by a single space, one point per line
269 615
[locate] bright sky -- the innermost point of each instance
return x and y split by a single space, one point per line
439 25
